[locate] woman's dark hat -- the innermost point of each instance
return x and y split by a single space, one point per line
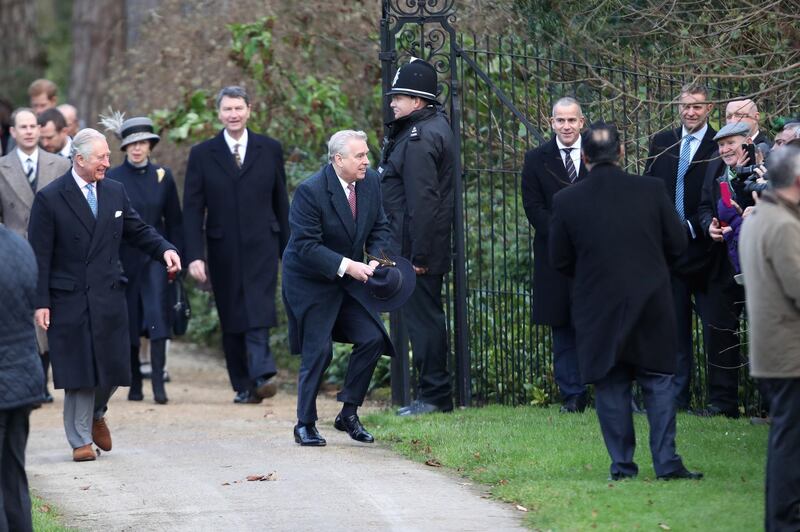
130 130
415 78
390 285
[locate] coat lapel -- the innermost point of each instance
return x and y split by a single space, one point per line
77 202
223 156
12 169
104 208
555 164
252 154
339 201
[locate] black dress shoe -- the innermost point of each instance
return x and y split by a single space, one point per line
135 396
266 387
352 425
246 397
419 407
620 476
680 474
308 436
574 404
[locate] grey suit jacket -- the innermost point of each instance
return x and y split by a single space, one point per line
16 196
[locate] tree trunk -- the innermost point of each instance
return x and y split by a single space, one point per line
21 55
98 37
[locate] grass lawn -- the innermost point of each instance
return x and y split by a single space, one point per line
556 466
45 517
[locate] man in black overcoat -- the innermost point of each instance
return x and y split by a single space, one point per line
235 210
614 235
77 224
693 143
336 216
549 168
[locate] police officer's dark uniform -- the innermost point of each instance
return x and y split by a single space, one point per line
417 173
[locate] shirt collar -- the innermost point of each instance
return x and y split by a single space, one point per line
342 182
66 151
698 135
576 145
230 141
23 157
80 181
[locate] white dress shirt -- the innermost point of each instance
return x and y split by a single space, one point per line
82 185
242 142
575 154
66 151
693 147
23 159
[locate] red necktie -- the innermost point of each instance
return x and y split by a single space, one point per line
351 199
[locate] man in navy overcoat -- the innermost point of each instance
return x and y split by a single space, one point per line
77 224
336 216
235 210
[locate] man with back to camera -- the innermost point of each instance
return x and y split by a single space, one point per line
417 173
549 168
680 157
77 224
770 256
622 304
236 208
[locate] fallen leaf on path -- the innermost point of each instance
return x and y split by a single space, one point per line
261 478
84 488
44 509
226 483
433 462
664 526
521 508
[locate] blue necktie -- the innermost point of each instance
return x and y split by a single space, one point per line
683 166
90 197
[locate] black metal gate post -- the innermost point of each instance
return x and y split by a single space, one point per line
429 44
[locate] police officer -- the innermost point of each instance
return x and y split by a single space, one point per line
417 173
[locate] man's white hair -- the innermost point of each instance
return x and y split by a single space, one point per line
82 143
339 140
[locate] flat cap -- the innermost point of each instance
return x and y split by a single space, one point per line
731 130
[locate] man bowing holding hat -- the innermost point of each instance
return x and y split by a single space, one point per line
336 215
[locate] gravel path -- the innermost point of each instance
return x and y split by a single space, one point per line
184 466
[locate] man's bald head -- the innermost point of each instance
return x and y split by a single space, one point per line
745 111
71 116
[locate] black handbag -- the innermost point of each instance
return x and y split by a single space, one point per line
181 309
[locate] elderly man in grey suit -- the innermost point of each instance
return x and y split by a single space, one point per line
23 171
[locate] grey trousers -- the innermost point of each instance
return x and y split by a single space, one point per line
81 407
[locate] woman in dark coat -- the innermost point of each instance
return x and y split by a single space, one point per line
152 192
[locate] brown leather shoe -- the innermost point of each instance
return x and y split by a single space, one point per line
100 434
84 454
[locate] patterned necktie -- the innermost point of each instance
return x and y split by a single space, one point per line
569 165
683 166
237 156
351 198
30 174
90 197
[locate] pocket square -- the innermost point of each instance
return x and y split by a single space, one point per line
117 214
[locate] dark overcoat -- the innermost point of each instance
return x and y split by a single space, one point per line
614 234
243 214
323 232
417 172
154 196
544 174
21 375
662 162
81 279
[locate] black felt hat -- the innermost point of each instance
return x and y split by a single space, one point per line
390 285
415 78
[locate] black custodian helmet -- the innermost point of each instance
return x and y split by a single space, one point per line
415 78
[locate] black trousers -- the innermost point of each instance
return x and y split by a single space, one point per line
615 413
15 502
719 307
353 326
424 319
248 357
782 511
